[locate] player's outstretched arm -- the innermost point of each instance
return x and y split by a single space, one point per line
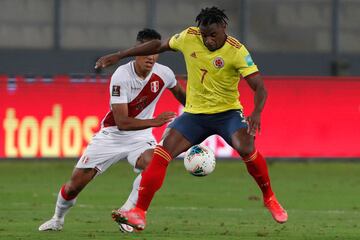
124 122
257 85
147 48
179 93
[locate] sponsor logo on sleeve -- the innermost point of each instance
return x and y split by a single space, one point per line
249 60
115 91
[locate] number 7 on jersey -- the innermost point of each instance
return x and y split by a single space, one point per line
204 72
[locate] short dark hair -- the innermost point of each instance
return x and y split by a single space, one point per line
211 15
147 34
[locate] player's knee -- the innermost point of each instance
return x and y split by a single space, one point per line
79 179
142 163
176 144
243 143
144 159
245 150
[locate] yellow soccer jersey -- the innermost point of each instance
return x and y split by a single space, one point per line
213 77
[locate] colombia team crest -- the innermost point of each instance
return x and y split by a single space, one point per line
154 86
218 62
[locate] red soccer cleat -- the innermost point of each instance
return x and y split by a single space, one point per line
134 217
277 211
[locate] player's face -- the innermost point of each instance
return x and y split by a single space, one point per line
213 35
146 63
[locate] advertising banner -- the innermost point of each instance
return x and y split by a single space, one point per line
303 117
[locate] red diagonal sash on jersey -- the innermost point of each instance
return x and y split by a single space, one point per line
150 91
109 120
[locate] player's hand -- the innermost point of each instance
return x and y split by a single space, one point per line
254 125
107 60
163 118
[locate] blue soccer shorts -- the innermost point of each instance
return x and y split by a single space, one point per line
197 127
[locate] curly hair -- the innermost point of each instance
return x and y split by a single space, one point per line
211 15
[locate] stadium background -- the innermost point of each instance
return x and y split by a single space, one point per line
52 100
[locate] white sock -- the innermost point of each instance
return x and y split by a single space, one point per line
133 197
62 207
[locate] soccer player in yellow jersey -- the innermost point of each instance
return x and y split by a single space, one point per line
214 62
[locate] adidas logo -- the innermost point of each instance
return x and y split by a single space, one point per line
193 55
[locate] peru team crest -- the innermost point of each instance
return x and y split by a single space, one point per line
154 86
218 62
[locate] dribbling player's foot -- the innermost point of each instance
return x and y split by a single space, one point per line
277 211
53 224
134 217
123 227
126 228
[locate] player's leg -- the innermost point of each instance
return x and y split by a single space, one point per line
98 156
152 179
139 164
67 197
129 204
257 167
233 128
153 176
183 133
70 190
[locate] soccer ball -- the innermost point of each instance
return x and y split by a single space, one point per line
199 160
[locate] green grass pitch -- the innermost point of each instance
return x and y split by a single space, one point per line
322 199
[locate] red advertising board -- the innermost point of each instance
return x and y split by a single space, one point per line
303 117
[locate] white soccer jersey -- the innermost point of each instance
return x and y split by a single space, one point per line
141 95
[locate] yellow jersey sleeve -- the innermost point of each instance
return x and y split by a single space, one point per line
244 63
177 41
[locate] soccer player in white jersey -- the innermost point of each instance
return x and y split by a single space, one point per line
126 131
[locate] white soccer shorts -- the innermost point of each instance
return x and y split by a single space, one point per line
106 149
